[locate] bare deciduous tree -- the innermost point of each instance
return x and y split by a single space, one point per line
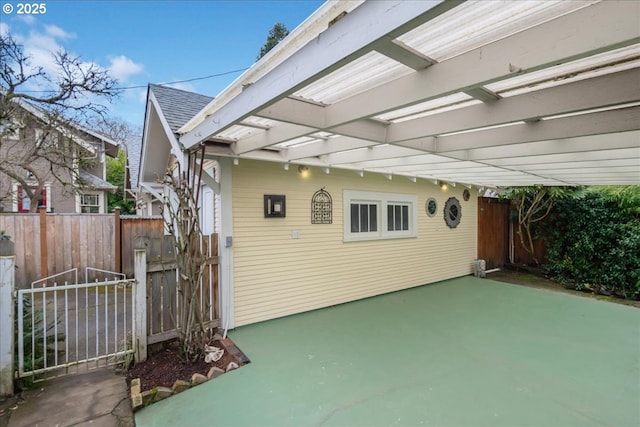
182 221
41 117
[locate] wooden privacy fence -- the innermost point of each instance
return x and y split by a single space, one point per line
162 292
51 243
498 242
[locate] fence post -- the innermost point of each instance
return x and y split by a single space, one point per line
118 240
7 324
140 328
44 261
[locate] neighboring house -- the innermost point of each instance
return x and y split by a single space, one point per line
349 158
79 188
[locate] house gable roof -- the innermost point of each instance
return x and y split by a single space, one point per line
111 147
178 106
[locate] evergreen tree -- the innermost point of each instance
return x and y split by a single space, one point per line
277 33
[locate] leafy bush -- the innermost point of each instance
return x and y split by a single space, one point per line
593 241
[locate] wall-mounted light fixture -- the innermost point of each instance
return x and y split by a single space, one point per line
303 171
286 166
361 173
443 185
236 161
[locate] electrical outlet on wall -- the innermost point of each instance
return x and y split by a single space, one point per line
295 234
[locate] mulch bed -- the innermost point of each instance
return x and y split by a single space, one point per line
162 368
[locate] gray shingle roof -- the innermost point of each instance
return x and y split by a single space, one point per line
134 151
178 106
96 182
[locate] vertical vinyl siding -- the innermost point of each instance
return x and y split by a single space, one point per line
276 275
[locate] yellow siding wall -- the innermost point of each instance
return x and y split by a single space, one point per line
275 275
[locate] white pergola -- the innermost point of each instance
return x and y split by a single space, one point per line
482 93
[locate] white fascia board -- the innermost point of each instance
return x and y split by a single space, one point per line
612 121
175 146
610 89
594 29
145 138
338 45
297 38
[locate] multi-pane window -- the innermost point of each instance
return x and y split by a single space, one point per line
364 217
374 215
89 203
397 217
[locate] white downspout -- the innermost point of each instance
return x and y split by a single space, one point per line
226 245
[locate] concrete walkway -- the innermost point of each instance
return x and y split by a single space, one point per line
97 398
465 352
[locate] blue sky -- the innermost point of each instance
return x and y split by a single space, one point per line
155 41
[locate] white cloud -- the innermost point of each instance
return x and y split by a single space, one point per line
57 32
4 29
122 67
27 19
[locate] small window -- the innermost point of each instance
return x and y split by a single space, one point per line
24 202
373 216
364 218
46 139
397 217
431 207
89 203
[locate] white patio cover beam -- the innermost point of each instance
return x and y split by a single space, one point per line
559 41
569 145
335 47
402 53
621 120
573 38
610 89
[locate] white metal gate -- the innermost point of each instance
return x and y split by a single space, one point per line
82 325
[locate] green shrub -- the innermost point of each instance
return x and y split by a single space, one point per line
594 242
34 347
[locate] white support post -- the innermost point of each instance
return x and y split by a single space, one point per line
7 278
140 301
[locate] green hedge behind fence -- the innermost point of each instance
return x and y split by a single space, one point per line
594 242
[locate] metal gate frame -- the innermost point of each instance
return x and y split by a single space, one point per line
109 346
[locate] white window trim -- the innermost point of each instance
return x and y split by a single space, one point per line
381 200
101 204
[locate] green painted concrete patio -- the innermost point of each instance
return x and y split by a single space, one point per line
466 351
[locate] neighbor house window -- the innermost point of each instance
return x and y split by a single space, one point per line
46 139
374 215
23 201
90 203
